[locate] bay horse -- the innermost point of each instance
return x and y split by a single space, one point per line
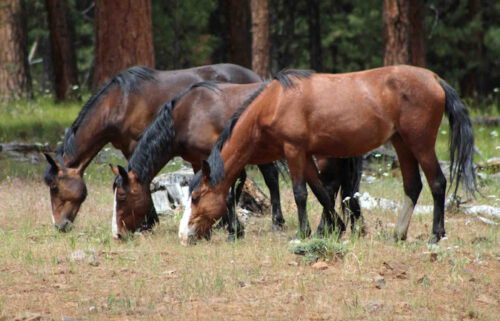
339 115
118 113
188 126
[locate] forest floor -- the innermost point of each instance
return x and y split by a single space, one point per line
86 275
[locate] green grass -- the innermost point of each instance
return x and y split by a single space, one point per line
152 277
39 120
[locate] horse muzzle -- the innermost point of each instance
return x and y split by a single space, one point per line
64 225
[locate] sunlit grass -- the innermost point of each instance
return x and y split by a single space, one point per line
152 277
39 120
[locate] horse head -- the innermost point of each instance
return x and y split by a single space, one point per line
67 192
206 205
132 202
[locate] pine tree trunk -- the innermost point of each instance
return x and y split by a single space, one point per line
238 22
63 50
471 81
417 42
403 27
283 35
313 21
123 33
261 62
15 80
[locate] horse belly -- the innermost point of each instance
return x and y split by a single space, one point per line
349 137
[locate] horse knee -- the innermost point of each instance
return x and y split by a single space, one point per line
413 190
438 186
300 193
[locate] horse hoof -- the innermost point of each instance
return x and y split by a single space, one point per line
320 234
231 238
399 237
435 238
359 230
222 224
303 234
278 228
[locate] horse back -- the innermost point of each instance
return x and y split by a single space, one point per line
370 106
200 116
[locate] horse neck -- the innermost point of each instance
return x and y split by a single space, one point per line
95 131
238 150
87 144
147 164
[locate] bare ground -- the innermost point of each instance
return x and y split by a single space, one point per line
85 275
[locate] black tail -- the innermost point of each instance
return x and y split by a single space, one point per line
461 142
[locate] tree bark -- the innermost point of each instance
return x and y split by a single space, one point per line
471 83
417 42
403 28
313 21
238 22
261 62
123 36
15 80
63 50
282 19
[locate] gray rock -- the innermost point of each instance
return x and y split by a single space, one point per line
77 256
170 190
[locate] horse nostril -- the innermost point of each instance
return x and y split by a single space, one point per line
64 226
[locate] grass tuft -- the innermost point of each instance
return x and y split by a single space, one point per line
320 249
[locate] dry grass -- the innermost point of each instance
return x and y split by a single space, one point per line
152 277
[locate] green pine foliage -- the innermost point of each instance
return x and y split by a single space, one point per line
463 43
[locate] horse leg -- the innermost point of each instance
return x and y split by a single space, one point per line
224 221
270 174
332 219
412 185
296 162
437 183
350 178
151 220
329 177
234 227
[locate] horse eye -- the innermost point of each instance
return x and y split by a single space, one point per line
53 187
195 199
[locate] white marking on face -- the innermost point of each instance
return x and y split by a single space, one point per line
114 225
53 219
185 231
404 217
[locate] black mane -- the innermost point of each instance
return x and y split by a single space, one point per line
129 81
215 160
285 76
157 140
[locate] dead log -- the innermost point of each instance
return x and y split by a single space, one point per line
253 199
170 191
486 121
380 159
24 152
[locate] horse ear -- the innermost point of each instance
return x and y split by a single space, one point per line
55 163
114 169
51 161
123 173
205 169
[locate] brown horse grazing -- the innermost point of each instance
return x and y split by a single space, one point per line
189 130
188 126
118 113
340 115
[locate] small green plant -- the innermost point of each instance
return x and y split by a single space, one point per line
315 249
